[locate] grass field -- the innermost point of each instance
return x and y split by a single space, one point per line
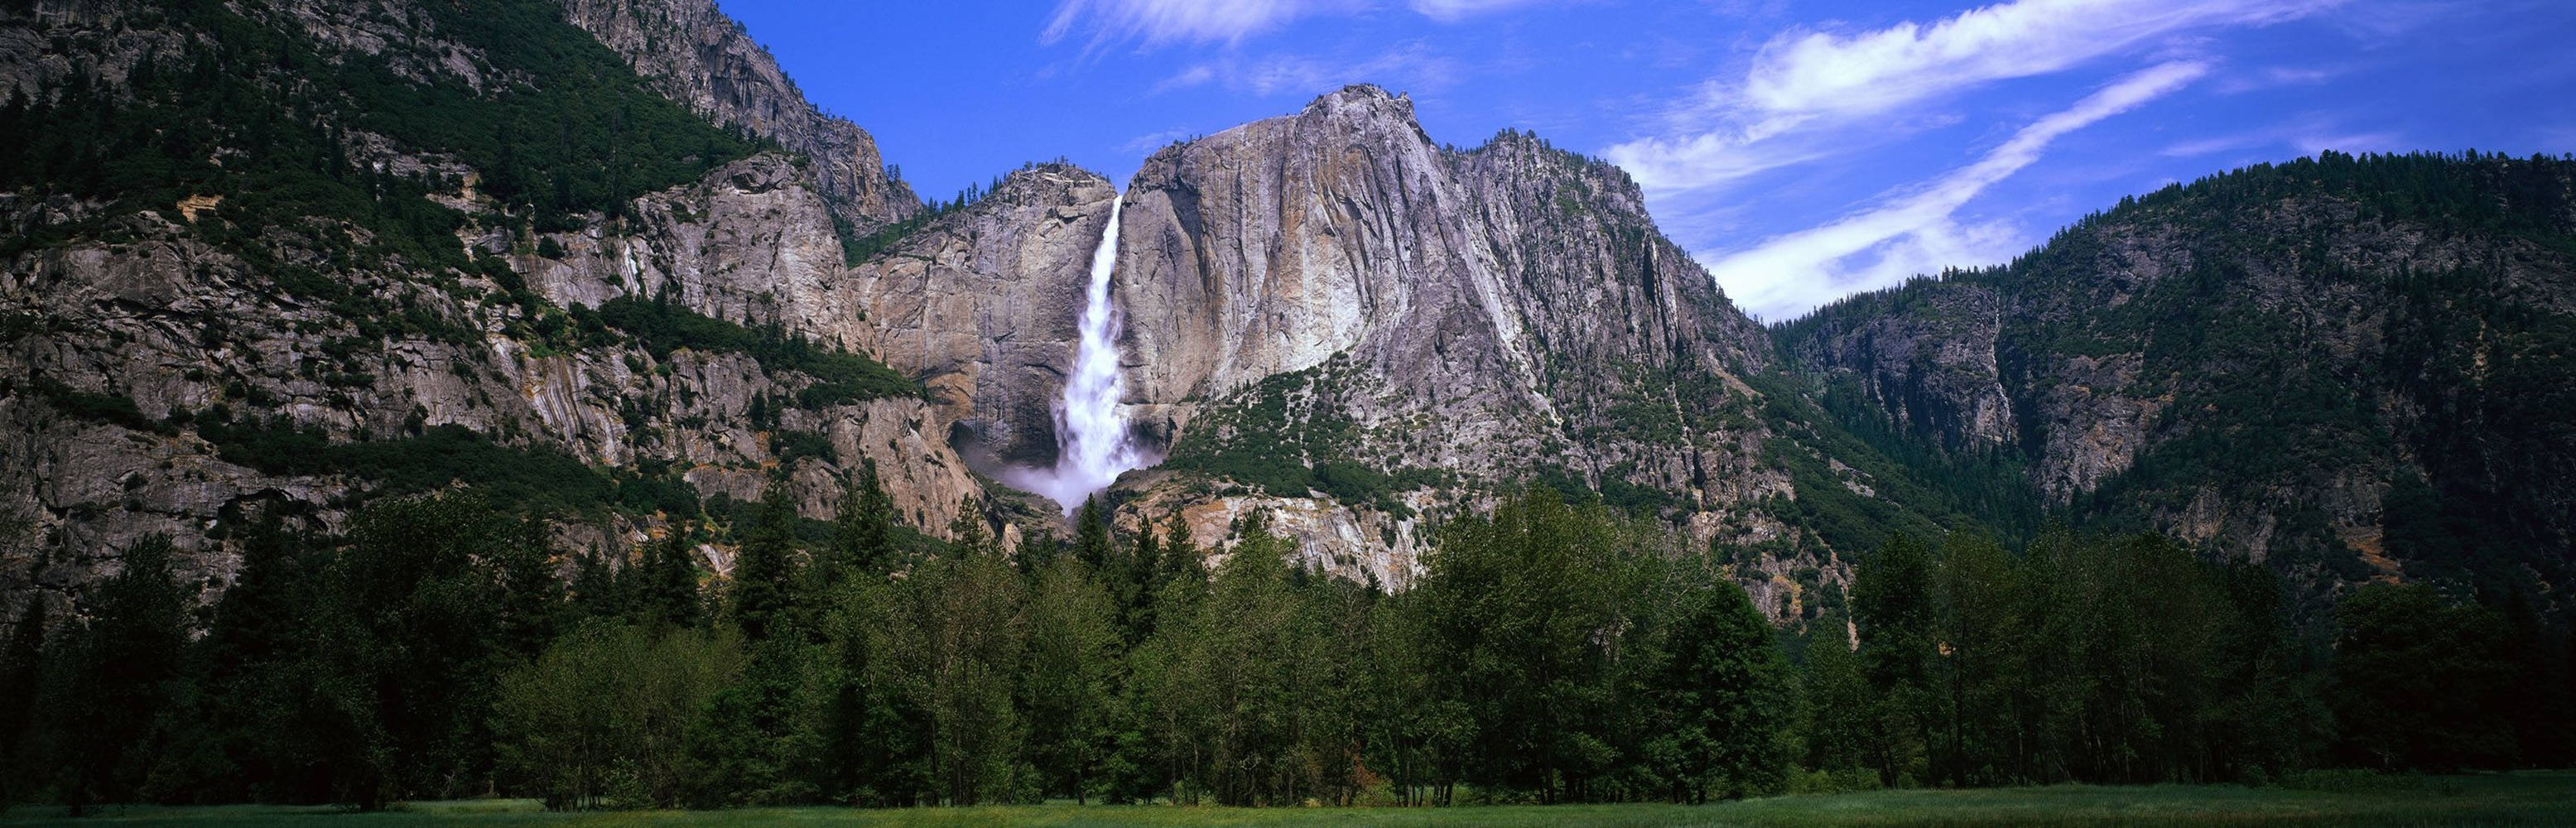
2511 799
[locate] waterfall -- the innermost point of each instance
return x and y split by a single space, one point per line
1092 443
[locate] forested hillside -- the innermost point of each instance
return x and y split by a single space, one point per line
2348 368
278 260
1552 652
416 399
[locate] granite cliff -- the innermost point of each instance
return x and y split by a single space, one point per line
2313 364
700 288
194 352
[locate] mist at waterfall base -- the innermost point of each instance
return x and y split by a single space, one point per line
1093 443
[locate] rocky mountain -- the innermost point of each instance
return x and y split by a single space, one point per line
600 257
981 305
231 291
690 52
2351 368
1330 302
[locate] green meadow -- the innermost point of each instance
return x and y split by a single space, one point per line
2493 800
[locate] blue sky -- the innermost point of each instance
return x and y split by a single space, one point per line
1800 151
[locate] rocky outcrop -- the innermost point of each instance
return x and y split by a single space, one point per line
1930 361
179 329
982 303
751 242
2252 362
182 368
692 53
1333 290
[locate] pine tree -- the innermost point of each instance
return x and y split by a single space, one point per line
863 531
666 582
250 650
1892 606
1837 701
951 646
21 668
531 592
1725 679
764 574
108 678
1067 678
599 588
1133 586
1092 543
1181 560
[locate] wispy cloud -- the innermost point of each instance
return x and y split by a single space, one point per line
1449 10
2348 142
1152 141
1815 93
1803 75
1230 21
1916 232
1804 82
2275 77
1158 21
1413 65
2306 134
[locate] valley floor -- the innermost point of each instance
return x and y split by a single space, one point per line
2495 800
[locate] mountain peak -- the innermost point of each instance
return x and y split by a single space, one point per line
1364 97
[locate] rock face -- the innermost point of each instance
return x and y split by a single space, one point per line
155 361
2283 363
178 328
692 53
1333 293
982 303
2351 369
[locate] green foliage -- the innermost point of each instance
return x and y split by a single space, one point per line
439 457
863 542
952 643
252 109
2279 350
603 716
840 378
107 680
1278 437
2419 681
765 570
2102 661
109 408
2392 802
1553 652
572 130
1069 678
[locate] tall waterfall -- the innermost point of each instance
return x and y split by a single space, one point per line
1092 443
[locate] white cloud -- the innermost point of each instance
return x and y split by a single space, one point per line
1452 10
2354 143
1708 159
1413 66
1916 232
1158 21
1808 94
1797 76
2301 135
2276 77
1152 141
1230 21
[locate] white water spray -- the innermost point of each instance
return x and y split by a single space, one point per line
1092 443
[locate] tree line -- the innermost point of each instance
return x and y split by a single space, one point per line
1552 651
